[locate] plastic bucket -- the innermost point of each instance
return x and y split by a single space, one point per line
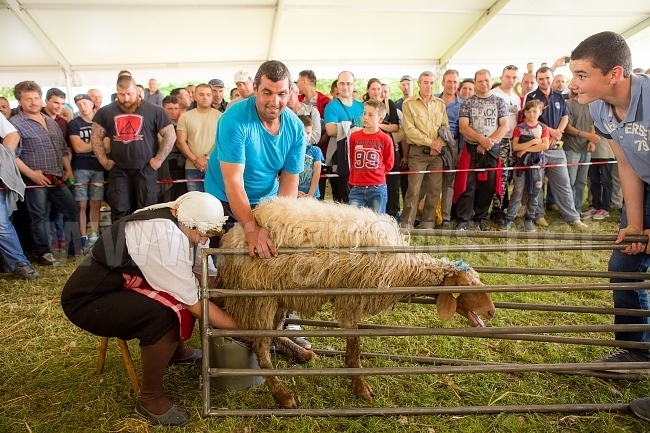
229 353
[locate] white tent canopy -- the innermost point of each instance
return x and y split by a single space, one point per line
75 43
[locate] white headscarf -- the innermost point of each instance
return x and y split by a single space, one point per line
196 210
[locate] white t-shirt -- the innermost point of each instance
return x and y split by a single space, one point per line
513 102
163 254
5 127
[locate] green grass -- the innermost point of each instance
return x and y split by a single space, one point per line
47 380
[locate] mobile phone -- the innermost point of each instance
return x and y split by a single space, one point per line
426 150
567 59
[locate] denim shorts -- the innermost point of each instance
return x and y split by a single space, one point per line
82 189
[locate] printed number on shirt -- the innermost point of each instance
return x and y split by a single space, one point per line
366 158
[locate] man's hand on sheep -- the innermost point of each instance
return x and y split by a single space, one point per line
259 241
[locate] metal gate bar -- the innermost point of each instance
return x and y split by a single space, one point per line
393 411
208 372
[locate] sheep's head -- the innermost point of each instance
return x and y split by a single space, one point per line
469 305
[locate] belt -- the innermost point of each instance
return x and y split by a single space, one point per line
369 186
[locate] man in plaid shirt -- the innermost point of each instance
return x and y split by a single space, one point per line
44 162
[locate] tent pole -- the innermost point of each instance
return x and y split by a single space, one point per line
68 85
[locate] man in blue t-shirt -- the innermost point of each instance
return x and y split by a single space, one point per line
343 113
257 139
619 102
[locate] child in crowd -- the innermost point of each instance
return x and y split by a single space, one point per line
308 179
529 140
88 172
371 157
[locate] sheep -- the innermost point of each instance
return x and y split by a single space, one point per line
327 225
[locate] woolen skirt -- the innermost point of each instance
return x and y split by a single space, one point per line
95 300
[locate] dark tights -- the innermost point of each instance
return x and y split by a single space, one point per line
154 358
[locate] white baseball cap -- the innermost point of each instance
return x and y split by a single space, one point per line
242 76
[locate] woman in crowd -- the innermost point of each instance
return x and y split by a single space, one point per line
466 89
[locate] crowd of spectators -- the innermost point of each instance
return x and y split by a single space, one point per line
145 147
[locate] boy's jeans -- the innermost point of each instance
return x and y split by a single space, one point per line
373 197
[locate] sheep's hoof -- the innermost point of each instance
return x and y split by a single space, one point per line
362 389
311 355
285 400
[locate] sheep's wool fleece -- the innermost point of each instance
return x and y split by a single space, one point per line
327 225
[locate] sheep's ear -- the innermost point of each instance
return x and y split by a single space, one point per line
446 306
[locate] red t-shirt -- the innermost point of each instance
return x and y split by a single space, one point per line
371 157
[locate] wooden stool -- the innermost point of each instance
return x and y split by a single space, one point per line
128 362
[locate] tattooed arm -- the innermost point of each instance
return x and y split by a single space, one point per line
168 136
97 135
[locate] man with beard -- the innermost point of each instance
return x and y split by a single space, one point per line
196 133
133 126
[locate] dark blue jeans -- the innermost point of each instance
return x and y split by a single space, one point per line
60 197
373 197
635 299
10 249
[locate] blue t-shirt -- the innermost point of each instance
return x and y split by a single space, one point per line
554 107
241 139
453 111
313 154
337 112
631 133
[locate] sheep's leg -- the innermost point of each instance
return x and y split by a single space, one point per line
288 347
284 398
360 386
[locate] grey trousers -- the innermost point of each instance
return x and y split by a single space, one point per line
558 178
